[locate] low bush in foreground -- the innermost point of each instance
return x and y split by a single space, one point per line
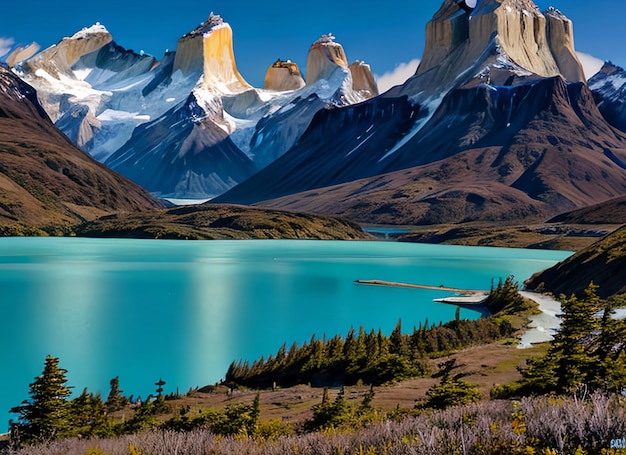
530 426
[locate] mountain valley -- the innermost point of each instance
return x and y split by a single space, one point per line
497 127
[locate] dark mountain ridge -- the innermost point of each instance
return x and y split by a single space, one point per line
200 156
505 152
609 90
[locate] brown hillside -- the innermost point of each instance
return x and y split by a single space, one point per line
611 211
45 180
604 263
554 154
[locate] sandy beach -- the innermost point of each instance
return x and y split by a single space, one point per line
542 326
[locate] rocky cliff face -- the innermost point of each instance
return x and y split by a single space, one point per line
560 34
498 34
219 69
22 53
325 56
58 60
48 70
363 80
283 76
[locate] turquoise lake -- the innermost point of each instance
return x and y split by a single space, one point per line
183 310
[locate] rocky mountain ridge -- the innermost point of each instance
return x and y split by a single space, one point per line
609 89
496 127
497 124
108 99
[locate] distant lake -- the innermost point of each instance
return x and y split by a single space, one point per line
183 310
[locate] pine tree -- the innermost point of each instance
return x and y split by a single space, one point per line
160 407
383 344
350 347
371 348
115 400
88 415
586 351
46 415
366 405
452 390
396 340
578 326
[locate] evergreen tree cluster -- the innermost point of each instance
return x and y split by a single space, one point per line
240 419
339 413
588 352
49 413
372 358
505 298
451 390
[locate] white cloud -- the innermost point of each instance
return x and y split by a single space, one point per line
6 44
398 76
591 65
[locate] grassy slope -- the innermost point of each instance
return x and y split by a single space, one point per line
568 237
489 364
214 221
604 263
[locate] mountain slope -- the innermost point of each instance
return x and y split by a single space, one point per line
185 153
604 263
611 211
609 89
45 181
497 124
488 153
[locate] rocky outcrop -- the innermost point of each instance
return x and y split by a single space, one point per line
22 53
560 33
363 80
283 76
189 57
497 34
219 66
58 60
50 72
325 56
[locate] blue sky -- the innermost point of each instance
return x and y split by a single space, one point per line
384 35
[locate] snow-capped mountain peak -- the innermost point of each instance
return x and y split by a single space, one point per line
89 32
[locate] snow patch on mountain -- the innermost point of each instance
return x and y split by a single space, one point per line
430 106
88 32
